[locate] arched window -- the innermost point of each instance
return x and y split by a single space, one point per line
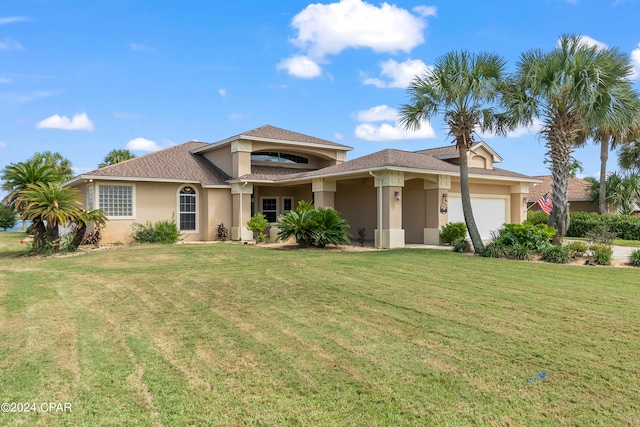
187 209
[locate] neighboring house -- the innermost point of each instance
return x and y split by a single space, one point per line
399 197
578 194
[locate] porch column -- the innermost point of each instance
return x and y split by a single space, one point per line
324 193
519 196
437 208
390 185
241 211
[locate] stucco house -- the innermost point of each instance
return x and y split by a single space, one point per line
577 193
399 197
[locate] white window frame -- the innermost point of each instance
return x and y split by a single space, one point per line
197 196
133 201
91 197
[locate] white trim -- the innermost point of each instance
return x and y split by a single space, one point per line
197 212
218 144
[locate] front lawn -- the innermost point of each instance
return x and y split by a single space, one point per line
228 334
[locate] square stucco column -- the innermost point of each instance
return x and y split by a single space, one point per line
324 193
241 213
436 208
389 195
519 195
241 157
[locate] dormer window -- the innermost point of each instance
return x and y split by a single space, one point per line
277 157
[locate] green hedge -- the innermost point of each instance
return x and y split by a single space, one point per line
626 227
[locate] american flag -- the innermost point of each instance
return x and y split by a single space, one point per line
545 204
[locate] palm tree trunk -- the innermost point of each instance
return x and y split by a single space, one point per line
560 151
478 246
604 156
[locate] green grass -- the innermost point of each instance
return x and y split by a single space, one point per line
228 334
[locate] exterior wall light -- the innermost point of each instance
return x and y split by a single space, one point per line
397 194
443 205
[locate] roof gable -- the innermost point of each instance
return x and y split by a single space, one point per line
451 151
176 163
274 134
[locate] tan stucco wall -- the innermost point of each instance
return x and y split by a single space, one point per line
356 201
414 212
480 158
221 157
159 201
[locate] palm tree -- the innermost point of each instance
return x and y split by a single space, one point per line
82 220
17 176
622 191
629 156
612 138
48 204
116 156
462 86
574 89
56 160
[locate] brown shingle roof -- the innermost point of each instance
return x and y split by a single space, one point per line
175 163
578 188
272 132
398 159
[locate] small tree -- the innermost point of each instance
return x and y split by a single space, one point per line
8 216
258 223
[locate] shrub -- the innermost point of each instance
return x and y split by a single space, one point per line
222 232
626 227
461 245
634 259
362 237
537 217
521 251
601 254
453 231
258 223
537 237
165 231
556 254
601 235
329 228
314 227
495 249
576 249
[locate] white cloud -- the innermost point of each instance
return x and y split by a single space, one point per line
222 92
338 136
141 47
3 145
635 61
379 113
12 19
398 74
300 66
4 80
328 29
332 28
388 132
78 122
9 44
235 116
142 144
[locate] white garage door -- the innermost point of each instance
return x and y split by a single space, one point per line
489 214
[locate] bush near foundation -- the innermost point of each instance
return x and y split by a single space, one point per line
165 231
626 227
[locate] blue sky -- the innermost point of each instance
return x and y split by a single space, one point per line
85 77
